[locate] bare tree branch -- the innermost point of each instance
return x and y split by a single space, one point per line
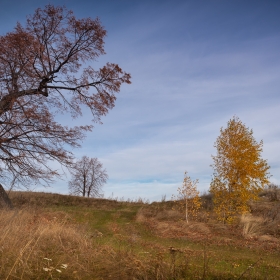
42 75
88 177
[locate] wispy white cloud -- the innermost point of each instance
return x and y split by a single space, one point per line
193 67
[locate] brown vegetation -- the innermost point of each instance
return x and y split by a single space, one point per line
52 236
46 70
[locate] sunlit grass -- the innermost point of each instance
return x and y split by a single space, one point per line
108 239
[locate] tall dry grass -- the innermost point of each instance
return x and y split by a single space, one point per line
46 245
40 246
56 237
252 226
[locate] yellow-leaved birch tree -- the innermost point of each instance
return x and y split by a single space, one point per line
239 171
188 197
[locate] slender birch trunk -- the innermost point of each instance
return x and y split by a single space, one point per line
187 219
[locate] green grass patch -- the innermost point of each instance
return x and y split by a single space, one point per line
109 239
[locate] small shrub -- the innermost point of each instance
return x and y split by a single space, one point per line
272 192
207 201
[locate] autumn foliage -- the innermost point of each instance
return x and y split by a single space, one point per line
188 198
239 171
46 69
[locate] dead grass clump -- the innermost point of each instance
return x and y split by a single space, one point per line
270 212
178 229
252 225
159 211
199 227
171 215
140 218
34 246
268 238
203 216
146 212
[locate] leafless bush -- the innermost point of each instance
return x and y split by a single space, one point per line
207 201
272 192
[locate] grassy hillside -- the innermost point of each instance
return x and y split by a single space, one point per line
51 236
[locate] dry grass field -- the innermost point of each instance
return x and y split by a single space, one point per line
52 236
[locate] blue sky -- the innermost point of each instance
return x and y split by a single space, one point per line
194 64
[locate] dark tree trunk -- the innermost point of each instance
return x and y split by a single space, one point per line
88 193
5 201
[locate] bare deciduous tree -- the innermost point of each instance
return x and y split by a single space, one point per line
46 71
88 177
